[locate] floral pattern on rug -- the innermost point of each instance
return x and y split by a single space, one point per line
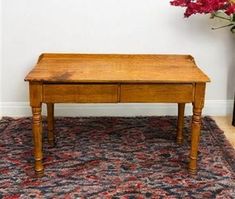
115 158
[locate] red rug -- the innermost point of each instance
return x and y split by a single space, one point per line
112 157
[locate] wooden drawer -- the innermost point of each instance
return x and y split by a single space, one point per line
138 93
81 93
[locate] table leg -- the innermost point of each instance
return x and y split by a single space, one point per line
181 107
233 119
50 123
35 91
37 138
196 125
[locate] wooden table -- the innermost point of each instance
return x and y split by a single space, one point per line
106 78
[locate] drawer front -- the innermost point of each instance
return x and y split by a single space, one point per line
80 93
165 93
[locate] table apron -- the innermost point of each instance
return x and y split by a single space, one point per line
166 93
118 93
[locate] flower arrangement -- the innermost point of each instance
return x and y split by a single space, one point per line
224 9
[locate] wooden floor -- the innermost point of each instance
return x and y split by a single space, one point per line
225 124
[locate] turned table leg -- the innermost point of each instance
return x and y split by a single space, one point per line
196 125
180 138
37 139
50 123
233 119
35 90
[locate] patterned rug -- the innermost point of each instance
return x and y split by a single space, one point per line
115 158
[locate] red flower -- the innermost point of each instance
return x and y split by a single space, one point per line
205 6
231 9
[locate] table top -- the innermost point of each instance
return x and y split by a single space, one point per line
116 68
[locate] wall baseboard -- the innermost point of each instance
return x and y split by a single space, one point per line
212 107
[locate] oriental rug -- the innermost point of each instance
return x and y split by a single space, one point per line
115 158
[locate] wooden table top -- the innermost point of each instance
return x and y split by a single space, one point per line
116 68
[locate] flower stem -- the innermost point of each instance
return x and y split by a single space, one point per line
223 26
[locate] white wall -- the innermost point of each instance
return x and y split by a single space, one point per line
31 27
1 87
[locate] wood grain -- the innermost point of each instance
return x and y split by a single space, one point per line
83 68
180 123
35 94
108 78
196 125
35 90
37 140
50 124
80 93
168 93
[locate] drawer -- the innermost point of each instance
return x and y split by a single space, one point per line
165 93
80 93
